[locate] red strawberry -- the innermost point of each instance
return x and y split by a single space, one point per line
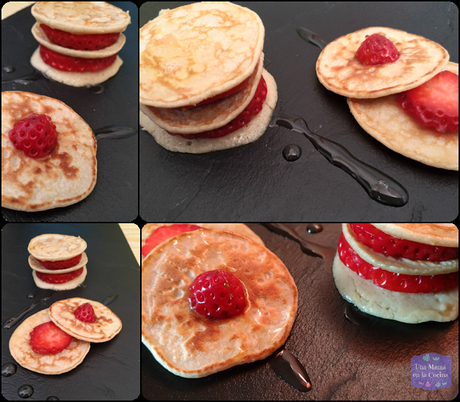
85 313
377 49
79 42
79 64
61 264
35 135
391 280
48 338
217 294
164 233
253 108
59 278
434 103
390 246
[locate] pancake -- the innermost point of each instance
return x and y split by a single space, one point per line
82 17
207 117
36 266
193 346
73 78
197 51
72 284
245 135
387 122
56 247
41 38
105 328
64 177
59 363
340 72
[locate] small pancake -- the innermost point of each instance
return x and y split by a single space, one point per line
387 122
41 37
207 117
58 363
105 328
399 265
412 308
72 284
36 266
245 135
81 17
64 177
56 247
340 72
192 346
197 51
73 78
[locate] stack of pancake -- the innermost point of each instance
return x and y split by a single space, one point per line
107 325
191 345
64 177
78 18
201 66
58 261
371 92
403 272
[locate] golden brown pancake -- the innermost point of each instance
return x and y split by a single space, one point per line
340 72
58 363
106 326
193 346
56 247
64 177
385 120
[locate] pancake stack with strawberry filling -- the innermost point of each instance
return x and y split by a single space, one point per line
58 261
79 41
403 272
401 89
203 87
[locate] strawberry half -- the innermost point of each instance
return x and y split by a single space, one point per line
59 278
61 264
35 135
377 49
217 294
391 280
390 246
79 42
252 109
434 103
48 338
85 313
78 64
164 233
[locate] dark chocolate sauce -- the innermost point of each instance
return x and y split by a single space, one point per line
8 69
95 89
8 369
311 37
10 322
25 79
116 132
289 369
109 299
377 184
355 316
52 398
314 228
25 391
292 152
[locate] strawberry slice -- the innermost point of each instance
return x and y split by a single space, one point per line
252 109
78 41
59 278
61 264
391 246
48 338
164 233
79 64
434 103
391 280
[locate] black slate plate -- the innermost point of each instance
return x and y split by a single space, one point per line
370 360
115 197
111 369
254 182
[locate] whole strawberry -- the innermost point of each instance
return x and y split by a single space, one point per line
217 294
85 313
377 49
35 135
